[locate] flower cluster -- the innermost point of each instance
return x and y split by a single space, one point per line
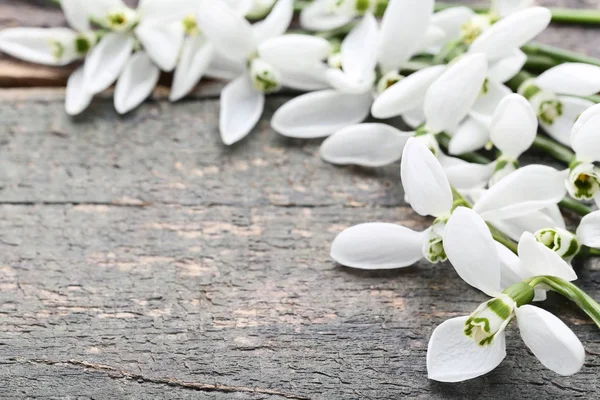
459 79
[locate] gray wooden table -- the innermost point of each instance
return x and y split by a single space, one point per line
140 258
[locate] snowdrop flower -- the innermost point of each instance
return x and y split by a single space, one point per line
446 101
263 59
567 244
365 49
553 96
467 347
323 15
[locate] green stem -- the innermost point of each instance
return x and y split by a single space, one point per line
593 252
517 80
577 207
554 149
571 292
559 54
539 64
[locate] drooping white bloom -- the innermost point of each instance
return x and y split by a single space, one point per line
556 96
366 48
467 347
265 59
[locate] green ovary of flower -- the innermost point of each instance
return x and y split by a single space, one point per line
550 110
489 319
561 241
82 44
584 181
265 78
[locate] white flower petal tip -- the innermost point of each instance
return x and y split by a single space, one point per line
575 79
407 94
369 145
537 259
550 340
76 14
514 126
424 180
377 246
241 108
585 139
522 192
452 356
450 97
512 32
136 82
105 62
472 251
196 55
49 46
358 50
77 98
470 135
276 22
319 114
562 127
162 42
588 232
318 17
507 67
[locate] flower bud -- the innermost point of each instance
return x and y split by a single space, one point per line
561 241
489 319
388 80
433 247
584 181
265 77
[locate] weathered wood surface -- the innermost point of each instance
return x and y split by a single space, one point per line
140 258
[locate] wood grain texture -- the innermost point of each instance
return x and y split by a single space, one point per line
140 258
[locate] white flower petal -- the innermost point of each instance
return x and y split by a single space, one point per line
433 38
99 9
293 49
562 127
317 17
222 67
507 67
451 96
576 79
406 94
241 108
165 11
487 102
319 114
472 251
538 259
469 136
162 42
308 78
532 222
415 117
402 33
138 79
76 14
521 192
359 49
454 357
226 29
276 23
77 98
507 7
514 126
467 176
510 267
424 180
550 340
378 246
36 45
370 145
512 32
588 232
105 62
344 83
196 55
451 21
585 138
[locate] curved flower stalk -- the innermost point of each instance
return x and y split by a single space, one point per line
262 58
556 96
467 347
450 94
367 50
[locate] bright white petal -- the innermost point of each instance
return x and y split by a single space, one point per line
370 145
359 49
521 192
472 251
451 96
222 67
588 232
317 17
241 108
487 102
99 9
550 340
507 67
378 246
294 49
532 222
196 55
562 127
575 79
433 39
308 78
585 138
415 117
77 98
538 259
514 126
403 29
162 42
40 45
319 114
136 82
344 83
467 176
226 29
507 7
406 94
165 11
454 357
76 14
276 23
469 136
512 32
105 62
451 21
510 267
424 180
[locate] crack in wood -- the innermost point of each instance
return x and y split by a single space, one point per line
116 373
